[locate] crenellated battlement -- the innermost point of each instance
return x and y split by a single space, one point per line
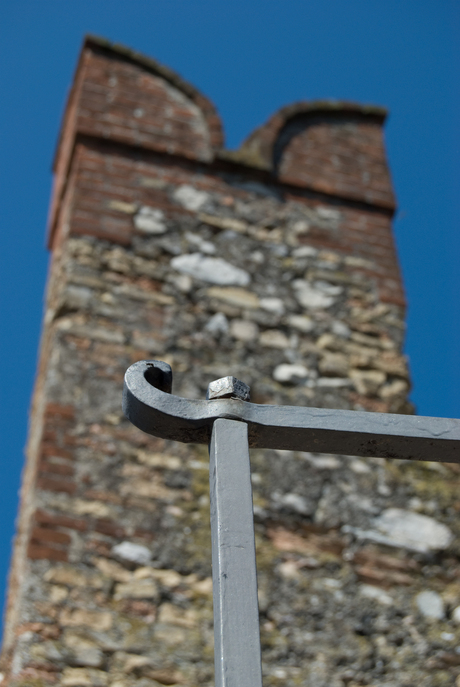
126 110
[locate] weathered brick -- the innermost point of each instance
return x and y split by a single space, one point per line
39 552
50 484
59 520
109 528
47 466
45 534
54 409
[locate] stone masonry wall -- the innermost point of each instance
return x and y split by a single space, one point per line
218 268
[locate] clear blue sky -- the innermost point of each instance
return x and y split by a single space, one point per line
250 57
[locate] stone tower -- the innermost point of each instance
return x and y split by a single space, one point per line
274 263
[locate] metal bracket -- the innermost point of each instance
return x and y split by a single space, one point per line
149 404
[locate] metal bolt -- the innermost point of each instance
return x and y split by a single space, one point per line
228 387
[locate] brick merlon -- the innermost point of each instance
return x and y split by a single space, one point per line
121 95
122 52
267 148
331 147
258 147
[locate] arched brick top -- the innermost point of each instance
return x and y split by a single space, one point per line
132 98
123 96
332 147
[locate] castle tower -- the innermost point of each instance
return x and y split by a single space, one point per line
274 263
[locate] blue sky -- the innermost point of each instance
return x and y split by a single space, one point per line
250 57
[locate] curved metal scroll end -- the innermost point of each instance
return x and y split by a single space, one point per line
146 387
159 375
150 406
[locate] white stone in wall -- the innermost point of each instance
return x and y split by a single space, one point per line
412 528
274 338
360 467
312 296
301 322
244 330
290 373
404 529
274 305
213 270
333 382
333 365
398 387
340 329
190 198
326 287
258 257
375 593
136 589
228 223
83 677
328 260
150 220
135 553
304 252
296 502
291 501
301 226
181 281
367 381
77 296
430 605
217 324
121 206
325 461
328 214
84 651
200 243
240 298
353 261
289 570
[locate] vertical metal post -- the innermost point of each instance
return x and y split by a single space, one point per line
234 575
147 402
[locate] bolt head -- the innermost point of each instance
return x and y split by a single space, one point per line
228 387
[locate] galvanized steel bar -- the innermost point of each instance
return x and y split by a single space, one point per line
234 575
232 425
149 404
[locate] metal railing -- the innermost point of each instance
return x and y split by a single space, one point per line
230 425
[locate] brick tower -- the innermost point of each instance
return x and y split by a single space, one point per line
274 263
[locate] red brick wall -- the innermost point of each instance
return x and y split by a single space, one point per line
332 147
122 101
135 101
340 154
